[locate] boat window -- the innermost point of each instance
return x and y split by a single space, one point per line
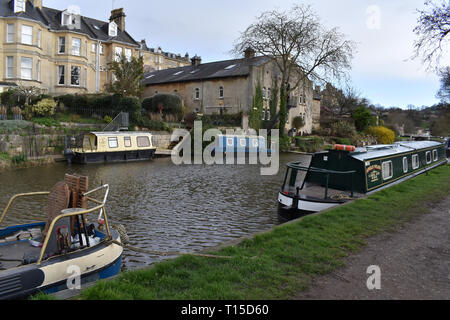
255 143
435 155
113 143
415 161
143 142
428 156
294 179
405 164
243 143
230 142
127 142
388 171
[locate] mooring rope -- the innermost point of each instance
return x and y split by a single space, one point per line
126 240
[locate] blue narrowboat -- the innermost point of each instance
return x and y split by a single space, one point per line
241 144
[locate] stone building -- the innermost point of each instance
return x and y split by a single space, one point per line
61 51
156 59
228 87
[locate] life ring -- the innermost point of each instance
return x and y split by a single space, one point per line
342 147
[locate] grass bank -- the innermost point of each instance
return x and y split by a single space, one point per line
281 263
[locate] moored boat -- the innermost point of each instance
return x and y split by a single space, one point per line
345 173
63 252
120 146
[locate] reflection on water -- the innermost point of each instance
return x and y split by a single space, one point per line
163 207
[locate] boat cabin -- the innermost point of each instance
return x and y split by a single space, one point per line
240 144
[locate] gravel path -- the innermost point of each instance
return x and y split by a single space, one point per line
414 264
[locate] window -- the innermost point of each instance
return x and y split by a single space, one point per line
61 74
118 53
26 68
269 93
128 54
75 76
221 93
428 157
405 165
76 46
101 49
127 142
112 29
38 70
243 142
388 171
39 35
255 143
415 161
143 142
61 45
230 142
197 94
10 33
93 48
9 67
435 155
27 35
113 143
264 93
19 6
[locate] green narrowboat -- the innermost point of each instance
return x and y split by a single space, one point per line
342 174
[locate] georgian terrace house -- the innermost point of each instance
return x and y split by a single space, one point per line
229 86
61 51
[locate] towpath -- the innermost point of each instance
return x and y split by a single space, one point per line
414 263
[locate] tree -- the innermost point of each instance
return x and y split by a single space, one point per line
432 30
128 75
444 92
300 46
28 92
255 120
363 118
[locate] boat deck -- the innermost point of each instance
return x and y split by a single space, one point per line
12 254
318 192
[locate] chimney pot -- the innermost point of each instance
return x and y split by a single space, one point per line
118 16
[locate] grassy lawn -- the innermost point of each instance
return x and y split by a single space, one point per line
281 263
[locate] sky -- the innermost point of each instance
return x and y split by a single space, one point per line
382 68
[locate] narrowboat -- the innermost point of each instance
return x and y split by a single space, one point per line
330 178
241 144
121 146
63 251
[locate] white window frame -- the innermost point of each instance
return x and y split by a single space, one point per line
10 67
428 153
38 70
113 143
127 142
255 143
405 165
243 142
101 49
72 76
19 6
143 142
39 36
93 48
63 74
76 49
61 44
415 166
112 29
197 94
391 169
26 38
230 142
10 33
221 91
128 54
26 70
435 155
118 52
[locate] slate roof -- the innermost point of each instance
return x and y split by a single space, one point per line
51 18
206 71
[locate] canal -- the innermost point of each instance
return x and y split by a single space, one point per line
164 207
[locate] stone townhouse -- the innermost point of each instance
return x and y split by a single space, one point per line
229 86
61 51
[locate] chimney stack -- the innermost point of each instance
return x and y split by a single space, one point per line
249 53
196 61
118 16
37 3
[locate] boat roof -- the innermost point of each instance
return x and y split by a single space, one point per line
239 136
119 133
380 151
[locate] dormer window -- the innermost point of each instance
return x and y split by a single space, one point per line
19 6
112 29
70 18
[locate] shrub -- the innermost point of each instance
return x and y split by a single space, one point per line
343 129
44 108
298 122
108 119
165 104
363 118
382 134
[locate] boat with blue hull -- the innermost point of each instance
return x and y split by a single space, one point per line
63 252
334 177
241 144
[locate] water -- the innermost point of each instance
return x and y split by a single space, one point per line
163 207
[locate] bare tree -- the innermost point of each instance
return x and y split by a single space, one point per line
300 46
296 41
28 92
432 30
444 92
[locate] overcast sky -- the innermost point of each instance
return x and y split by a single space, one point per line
382 69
